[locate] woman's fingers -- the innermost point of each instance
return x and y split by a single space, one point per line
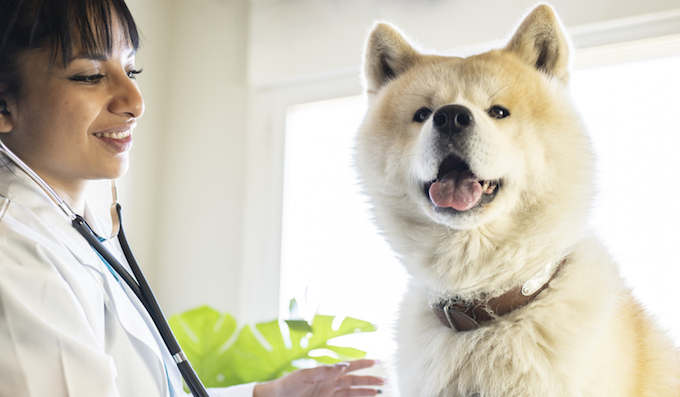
332 371
360 364
323 372
355 380
347 384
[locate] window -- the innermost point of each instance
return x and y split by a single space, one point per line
631 112
334 262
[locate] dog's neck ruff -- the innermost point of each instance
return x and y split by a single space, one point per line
468 315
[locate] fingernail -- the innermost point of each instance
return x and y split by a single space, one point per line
379 391
343 366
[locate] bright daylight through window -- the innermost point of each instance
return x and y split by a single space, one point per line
334 262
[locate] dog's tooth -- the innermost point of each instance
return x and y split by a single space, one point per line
485 186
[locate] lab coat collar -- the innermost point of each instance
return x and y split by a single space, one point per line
20 189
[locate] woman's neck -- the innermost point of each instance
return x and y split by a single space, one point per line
73 194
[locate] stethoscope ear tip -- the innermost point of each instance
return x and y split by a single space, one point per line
115 211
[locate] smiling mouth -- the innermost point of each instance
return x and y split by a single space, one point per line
456 187
114 135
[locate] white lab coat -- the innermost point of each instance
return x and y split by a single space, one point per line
67 327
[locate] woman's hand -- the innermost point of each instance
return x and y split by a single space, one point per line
326 381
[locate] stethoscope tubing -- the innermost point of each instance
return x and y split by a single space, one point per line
37 179
190 377
139 286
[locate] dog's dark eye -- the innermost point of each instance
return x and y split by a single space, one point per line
422 115
498 112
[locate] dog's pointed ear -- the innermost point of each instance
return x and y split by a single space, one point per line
388 55
541 42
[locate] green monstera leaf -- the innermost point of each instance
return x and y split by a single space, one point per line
261 352
277 354
204 335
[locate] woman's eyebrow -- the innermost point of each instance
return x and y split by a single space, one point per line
98 56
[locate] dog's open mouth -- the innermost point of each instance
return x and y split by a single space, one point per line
458 188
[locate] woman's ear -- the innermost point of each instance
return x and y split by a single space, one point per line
6 117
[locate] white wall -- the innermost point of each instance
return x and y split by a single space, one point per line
139 188
187 168
203 194
291 40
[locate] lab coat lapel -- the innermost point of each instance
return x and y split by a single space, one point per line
153 339
19 188
128 308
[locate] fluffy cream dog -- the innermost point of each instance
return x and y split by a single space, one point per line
480 174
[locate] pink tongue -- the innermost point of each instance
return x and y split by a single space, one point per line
458 190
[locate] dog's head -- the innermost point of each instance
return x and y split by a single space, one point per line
467 141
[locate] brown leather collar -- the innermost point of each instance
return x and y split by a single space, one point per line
466 316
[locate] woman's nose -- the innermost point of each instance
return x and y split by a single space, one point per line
126 98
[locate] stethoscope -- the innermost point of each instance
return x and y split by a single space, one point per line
139 286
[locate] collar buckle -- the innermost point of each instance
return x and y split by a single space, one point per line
458 320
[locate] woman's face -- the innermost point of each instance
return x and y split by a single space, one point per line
74 123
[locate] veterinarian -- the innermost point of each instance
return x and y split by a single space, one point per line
68 326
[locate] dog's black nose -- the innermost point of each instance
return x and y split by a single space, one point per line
452 119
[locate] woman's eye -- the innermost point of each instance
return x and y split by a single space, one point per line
90 78
132 74
498 112
422 115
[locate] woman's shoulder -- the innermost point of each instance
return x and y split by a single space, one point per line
37 238
18 221
24 238
34 234
25 209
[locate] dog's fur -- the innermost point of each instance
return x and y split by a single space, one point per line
582 336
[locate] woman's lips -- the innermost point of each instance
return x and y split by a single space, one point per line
120 141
